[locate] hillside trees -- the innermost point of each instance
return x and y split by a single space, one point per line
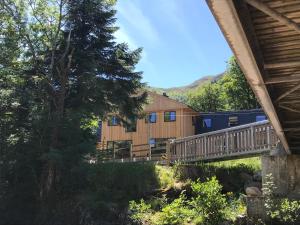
207 98
236 91
60 70
231 92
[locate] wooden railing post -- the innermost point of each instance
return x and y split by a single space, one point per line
205 146
131 154
168 153
227 143
252 137
268 138
184 150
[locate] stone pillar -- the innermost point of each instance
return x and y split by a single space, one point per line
286 173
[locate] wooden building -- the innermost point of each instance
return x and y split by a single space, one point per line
164 119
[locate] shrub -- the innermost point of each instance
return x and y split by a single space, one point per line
206 206
209 201
280 209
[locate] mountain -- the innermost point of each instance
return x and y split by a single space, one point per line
178 92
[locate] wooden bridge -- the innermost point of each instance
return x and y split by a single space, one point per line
235 142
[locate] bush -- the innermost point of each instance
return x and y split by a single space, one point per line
208 200
206 206
279 209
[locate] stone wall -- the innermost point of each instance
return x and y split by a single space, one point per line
286 172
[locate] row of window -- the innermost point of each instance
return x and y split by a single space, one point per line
169 116
232 121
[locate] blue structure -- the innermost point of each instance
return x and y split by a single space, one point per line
212 121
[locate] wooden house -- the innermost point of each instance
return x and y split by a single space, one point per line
164 119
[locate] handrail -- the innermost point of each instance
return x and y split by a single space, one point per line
244 140
222 131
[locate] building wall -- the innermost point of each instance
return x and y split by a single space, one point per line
219 120
182 127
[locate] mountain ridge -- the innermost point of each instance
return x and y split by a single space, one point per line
186 88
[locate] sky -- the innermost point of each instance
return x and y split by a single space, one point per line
181 40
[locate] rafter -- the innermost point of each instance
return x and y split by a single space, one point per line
274 14
283 79
289 108
292 101
288 92
291 121
276 65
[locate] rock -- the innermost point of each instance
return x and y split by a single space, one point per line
245 177
257 176
253 192
254 184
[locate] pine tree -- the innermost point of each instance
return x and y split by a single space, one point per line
68 72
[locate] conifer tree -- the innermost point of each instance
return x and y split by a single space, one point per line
63 71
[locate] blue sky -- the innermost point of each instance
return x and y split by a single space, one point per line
180 39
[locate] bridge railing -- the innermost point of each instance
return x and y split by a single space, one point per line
240 140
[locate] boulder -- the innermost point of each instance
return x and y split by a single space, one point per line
257 176
254 184
245 177
253 192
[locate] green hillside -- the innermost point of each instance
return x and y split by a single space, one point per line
180 93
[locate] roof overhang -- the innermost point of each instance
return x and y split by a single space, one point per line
229 21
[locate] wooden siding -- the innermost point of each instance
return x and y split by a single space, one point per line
182 127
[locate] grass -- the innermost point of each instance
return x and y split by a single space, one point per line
254 163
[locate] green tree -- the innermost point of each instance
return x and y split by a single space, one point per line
206 98
61 70
236 92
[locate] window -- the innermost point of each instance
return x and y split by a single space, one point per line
233 121
170 116
151 118
120 149
207 123
260 118
131 125
113 121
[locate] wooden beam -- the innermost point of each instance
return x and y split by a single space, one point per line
289 108
274 14
292 129
277 65
288 92
282 79
292 122
228 19
290 101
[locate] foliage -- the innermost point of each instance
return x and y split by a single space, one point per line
282 209
165 176
209 201
207 98
61 70
229 173
207 205
253 164
227 92
236 91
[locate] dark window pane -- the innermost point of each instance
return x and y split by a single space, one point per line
170 116
260 118
207 123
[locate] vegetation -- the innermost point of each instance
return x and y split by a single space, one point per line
206 205
279 209
60 71
228 91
